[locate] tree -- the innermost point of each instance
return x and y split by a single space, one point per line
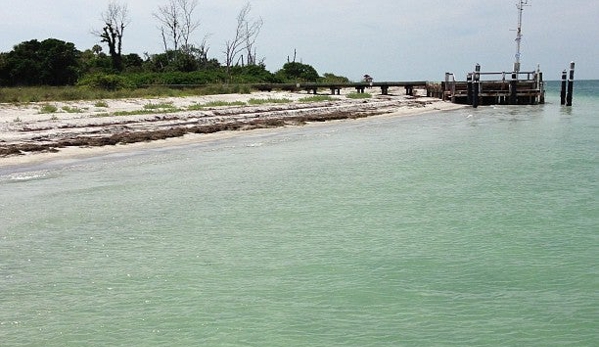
50 62
297 72
245 36
178 23
94 61
116 19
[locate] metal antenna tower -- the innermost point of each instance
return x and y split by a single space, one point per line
520 5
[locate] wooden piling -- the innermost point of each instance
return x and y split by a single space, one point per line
541 88
563 89
476 86
469 95
514 89
570 85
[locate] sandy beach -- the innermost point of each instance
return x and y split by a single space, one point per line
40 132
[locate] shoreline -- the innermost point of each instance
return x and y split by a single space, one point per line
29 137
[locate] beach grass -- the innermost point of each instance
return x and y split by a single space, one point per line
217 103
47 108
269 101
317 98
69 109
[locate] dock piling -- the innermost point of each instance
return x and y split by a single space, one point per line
514 89
563 89
570 85
476 86
469 95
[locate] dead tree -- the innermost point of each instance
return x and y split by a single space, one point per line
245 36
168 16
177 23
116 19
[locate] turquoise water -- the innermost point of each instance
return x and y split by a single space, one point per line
477 227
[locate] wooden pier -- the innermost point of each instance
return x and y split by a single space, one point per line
495 88
335 88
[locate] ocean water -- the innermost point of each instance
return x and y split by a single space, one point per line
476 227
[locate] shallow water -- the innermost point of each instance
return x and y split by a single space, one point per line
476 227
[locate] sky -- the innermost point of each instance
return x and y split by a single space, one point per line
391 40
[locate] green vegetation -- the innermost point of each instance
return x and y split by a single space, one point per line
199 107
297 72
101 103
359 95
54 70
317 98
162 106
269 101
69 109
47 108
170 108
331 78
50 62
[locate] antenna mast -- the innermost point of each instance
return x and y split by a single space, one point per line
520 5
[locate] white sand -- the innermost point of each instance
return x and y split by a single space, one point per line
25 124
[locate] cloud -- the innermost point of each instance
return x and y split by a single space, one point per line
390 39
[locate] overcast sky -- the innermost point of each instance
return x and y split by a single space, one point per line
388 39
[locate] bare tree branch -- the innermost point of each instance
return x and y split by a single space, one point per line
189 24
178 23
245 36
168 16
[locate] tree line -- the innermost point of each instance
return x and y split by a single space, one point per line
54 62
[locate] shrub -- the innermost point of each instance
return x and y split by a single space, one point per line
297 72
106 82
101 103
69 109
332 78
47 108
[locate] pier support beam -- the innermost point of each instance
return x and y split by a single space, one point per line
570 85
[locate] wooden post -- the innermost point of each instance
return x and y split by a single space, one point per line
570 85
469 96
476 86
541 89
563 90
513 89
